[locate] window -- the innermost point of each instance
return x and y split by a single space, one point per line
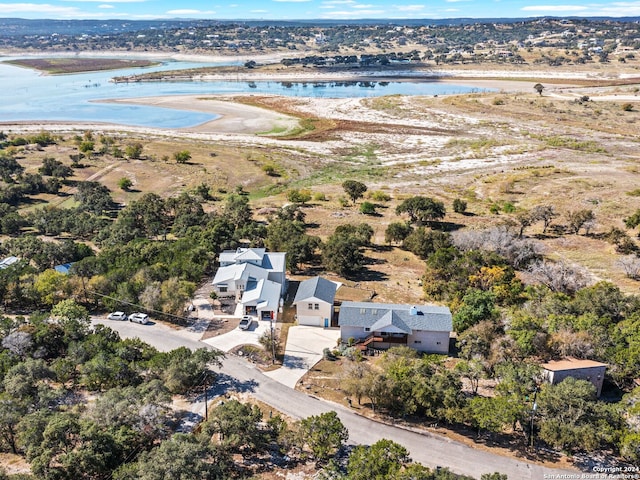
367 329
417 341
437 343
374 311
222 288
311 306
316 306
363 311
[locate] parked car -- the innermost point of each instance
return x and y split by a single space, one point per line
245 322
117 316
141 318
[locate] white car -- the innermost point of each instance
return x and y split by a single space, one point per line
245 322
141 318
117 316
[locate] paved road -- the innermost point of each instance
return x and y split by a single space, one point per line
424 447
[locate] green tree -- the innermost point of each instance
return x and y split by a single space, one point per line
425 242
381 461
125 183
354 189
133 150
342 254
324 434
422 209
182 457
183 156
459 205
397 231
238 426
476 306
237 209
301 196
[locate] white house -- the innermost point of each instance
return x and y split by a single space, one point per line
314 302
256 279
424 328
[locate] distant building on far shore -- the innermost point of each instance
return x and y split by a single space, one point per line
557 370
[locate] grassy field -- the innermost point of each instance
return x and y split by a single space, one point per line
59 66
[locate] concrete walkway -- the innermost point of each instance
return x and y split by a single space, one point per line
304 349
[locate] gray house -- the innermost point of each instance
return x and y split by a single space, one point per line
424 328
314 302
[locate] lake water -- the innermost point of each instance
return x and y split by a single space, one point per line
30 95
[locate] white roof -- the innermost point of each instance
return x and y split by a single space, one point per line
270 261
265 295
237 271
8 262
241 255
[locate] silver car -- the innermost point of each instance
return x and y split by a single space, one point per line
117 316
141 318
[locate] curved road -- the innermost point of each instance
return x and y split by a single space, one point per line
429 449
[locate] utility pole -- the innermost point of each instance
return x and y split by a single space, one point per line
206 398
534 407
273 343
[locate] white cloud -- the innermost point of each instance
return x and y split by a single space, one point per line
613 9
409 8
106 6
326 6
554 8
291 1
359 6
188 11
259 11
37 8
110 1
353 14
457 1
339 2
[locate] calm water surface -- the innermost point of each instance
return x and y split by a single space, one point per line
29 95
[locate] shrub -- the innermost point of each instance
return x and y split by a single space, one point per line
459 205
380 196
498 101
368 208
319 197
125 183
627 107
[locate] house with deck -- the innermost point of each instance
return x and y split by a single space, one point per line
425 328
255 277
314 302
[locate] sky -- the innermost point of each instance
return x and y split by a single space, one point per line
312 9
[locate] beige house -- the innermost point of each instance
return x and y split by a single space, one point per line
557 370
314 302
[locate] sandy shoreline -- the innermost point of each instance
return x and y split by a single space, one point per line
238 118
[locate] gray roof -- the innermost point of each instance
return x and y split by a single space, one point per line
431 318
316 287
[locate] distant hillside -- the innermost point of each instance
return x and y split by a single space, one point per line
25 27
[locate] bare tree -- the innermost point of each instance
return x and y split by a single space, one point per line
544 214
518 252
560 276
581 219
631 266
18 343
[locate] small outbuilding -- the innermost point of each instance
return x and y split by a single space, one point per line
314 302
557 370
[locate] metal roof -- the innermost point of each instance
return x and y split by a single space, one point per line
316 287
431 318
